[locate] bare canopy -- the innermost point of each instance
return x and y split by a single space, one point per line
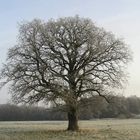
64 61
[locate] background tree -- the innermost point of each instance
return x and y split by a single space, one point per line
64 61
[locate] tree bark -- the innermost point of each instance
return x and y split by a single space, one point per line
73 120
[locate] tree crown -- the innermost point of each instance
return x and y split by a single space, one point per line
64 60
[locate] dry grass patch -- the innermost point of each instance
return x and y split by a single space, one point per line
90 130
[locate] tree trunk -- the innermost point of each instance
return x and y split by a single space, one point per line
73 120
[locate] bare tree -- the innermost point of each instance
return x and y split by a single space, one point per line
64 61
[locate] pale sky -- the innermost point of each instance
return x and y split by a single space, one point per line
122 17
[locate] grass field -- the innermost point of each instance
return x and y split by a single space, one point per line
55 130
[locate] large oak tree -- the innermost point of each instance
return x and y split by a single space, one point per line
64 61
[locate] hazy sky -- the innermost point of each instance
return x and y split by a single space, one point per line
122 17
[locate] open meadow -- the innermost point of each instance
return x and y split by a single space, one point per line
127 129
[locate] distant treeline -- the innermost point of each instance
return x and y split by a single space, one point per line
119 107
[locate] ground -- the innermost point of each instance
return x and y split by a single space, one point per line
111 129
